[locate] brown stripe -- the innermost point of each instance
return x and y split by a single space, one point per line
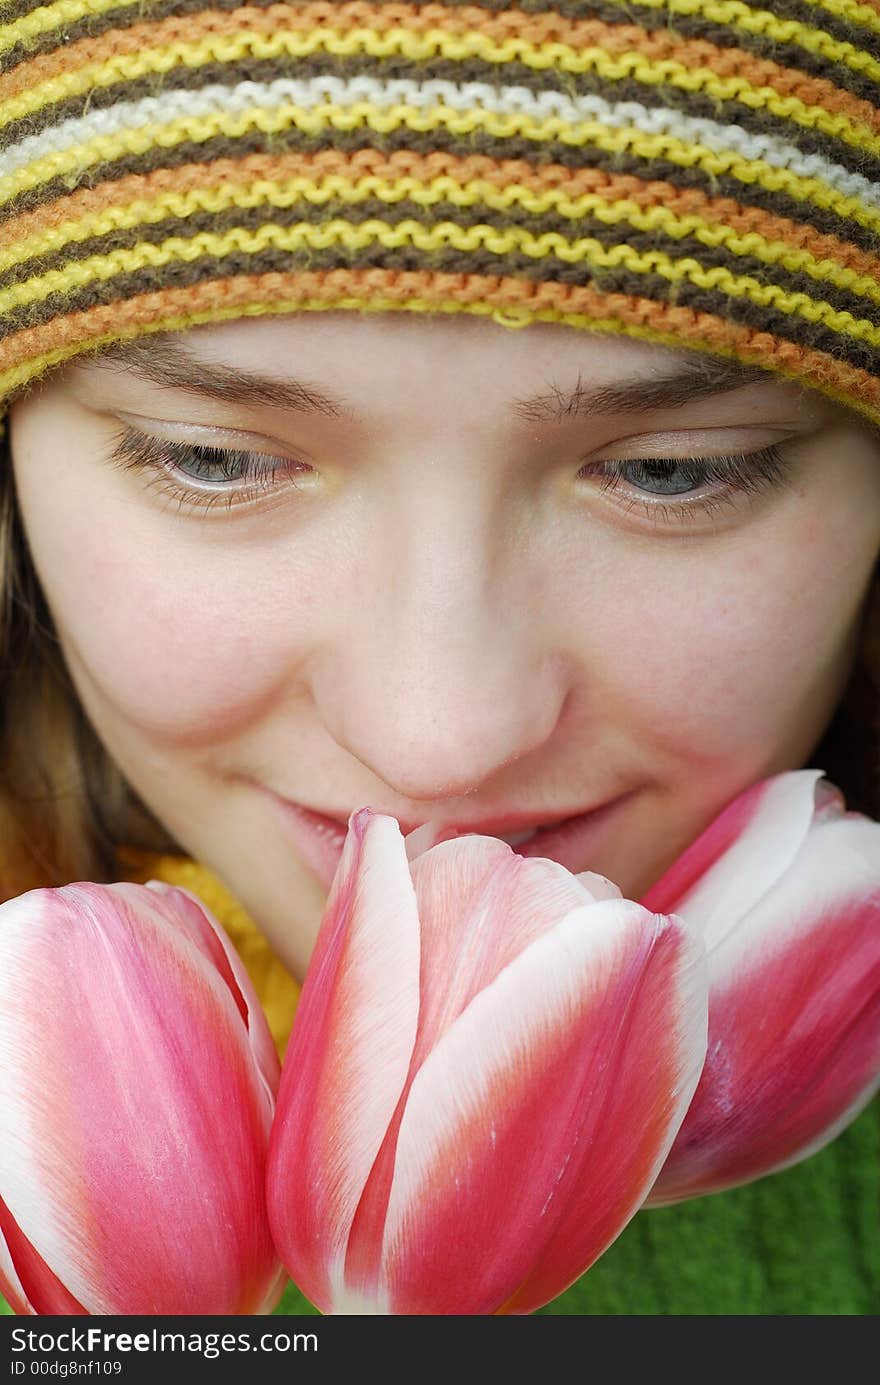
680 325
759 121
809 15
781 325
812 17
739 262
788 55
544 28
550 265
396 144
444 259
124 287
228 173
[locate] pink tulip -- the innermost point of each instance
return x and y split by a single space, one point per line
489 1063
137 1086
785 887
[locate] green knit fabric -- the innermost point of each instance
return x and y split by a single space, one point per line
805 1241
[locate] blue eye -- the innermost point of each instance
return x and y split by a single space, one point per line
229 476
660 477
683 488
213 464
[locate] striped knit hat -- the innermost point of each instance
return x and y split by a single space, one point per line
690 172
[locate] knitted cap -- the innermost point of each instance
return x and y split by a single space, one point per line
700 173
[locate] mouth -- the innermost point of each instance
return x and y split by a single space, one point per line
571 841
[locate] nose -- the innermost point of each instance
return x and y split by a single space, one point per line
444 673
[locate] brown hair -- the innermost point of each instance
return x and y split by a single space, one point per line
65 807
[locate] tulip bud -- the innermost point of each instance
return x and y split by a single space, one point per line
785 888
137 1085
488 1065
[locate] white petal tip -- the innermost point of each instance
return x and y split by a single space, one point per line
599 886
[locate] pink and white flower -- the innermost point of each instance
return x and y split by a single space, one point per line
785 888
137 1086
490 1060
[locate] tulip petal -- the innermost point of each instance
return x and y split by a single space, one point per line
539 1121
598 886
348 1056
463 888
122 1056
11 1286
742 854
45 1293
185 911
794 1040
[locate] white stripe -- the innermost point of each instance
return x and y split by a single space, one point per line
26 1188
313 92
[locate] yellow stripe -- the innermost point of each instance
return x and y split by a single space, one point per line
48 17
363 116
408 234
729 12
759 21
476 192
400 42
850 11
522 317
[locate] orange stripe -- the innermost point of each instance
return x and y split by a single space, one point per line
538 28
676 326
720 211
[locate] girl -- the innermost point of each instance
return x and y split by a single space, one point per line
294 521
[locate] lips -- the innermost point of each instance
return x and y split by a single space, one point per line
571 841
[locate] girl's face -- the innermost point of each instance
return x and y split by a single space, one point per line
496 580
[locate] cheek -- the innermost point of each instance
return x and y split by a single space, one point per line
726 658
183 639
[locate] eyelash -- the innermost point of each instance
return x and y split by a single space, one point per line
743 474
135 451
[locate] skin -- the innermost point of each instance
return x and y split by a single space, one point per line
440 617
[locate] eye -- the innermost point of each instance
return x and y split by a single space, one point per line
227 476
679 489
662 477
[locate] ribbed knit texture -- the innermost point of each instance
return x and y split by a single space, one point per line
692 172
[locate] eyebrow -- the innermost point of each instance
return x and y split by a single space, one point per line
165 361
669 389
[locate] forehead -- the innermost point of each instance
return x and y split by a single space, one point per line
328 363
